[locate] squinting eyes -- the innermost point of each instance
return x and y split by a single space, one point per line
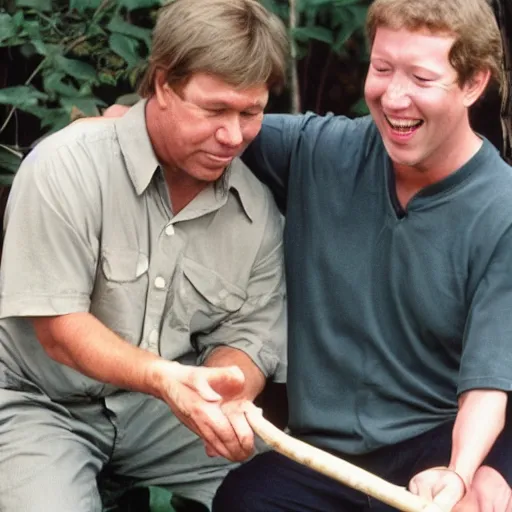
418 78
217 112
422 79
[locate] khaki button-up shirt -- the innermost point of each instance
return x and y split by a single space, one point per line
90 228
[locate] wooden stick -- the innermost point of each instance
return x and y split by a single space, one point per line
337 468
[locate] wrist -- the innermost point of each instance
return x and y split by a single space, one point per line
157 376
464 481
463 475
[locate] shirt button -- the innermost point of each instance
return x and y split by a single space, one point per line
153 337
160 283
169 230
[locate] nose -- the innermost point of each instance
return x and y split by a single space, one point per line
397 95
230 133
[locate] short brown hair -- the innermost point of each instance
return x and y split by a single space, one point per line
237 40
477 45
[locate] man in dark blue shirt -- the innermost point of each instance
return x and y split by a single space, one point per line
398 240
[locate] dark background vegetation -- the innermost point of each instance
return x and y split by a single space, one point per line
60 59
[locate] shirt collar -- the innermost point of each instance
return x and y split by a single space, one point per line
141 161
242 180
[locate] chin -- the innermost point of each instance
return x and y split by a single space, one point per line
405 158
209 175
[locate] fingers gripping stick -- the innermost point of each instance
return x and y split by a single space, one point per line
337 468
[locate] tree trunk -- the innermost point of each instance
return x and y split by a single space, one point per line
503 10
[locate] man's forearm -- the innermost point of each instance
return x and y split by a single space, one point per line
82 342
480 420
254 379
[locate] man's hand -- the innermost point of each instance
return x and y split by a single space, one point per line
115 110
206 400
489 492
234 410
441 485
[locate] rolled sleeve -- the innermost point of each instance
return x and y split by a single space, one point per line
259 327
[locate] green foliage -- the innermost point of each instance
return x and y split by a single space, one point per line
78 47
78 50
334 22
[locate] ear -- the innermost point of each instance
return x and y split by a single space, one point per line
475 86
161 87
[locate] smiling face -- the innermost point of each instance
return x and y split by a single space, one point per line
419 108
199 128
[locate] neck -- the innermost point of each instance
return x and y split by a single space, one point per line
181 187
456 152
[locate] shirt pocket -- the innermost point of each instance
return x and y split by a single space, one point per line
119 296
207 298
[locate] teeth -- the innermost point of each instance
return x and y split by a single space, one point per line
403 123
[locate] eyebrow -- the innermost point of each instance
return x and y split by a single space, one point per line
224 105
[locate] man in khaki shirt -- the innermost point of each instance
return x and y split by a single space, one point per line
142 289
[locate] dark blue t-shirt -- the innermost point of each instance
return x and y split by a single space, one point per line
392 313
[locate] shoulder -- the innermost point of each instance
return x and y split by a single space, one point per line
79 145
313 125
88 136
484 206
491 183
324 137
67 164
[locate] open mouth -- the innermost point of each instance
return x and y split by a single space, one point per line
404 126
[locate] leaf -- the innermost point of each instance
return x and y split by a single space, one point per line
40 112
360 108
342 37
10 160
312 4
35 39
53 83
126 47
119 26
55 119
358 14
319 33
89 106
18 19
7 27
21 96
127 99
347 3
38 5
107 78
139 4
81 5
75 68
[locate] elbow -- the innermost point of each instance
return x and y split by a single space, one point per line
47 333
52 350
